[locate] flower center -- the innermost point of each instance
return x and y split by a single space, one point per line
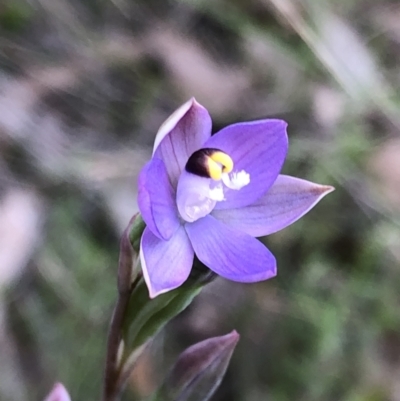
209 174
209 163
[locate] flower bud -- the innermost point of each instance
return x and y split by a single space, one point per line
199 370
128 254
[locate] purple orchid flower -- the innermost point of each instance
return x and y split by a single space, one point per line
212 195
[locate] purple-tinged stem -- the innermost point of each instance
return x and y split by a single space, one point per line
125 288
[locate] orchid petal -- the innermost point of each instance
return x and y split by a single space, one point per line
184 132
165 264
287 200
229 252
58 393
259 148
193 196
156 200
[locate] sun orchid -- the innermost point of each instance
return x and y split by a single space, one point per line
211 196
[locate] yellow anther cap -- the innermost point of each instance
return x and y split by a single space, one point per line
210 163
224 160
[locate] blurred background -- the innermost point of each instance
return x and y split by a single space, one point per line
84 86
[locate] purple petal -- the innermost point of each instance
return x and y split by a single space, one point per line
184 132
230 253
192 197
259 148
156 200
58 393
165 264
287 200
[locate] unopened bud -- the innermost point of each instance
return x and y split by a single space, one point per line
199 370
128 253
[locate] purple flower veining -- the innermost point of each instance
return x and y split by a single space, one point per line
212 195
